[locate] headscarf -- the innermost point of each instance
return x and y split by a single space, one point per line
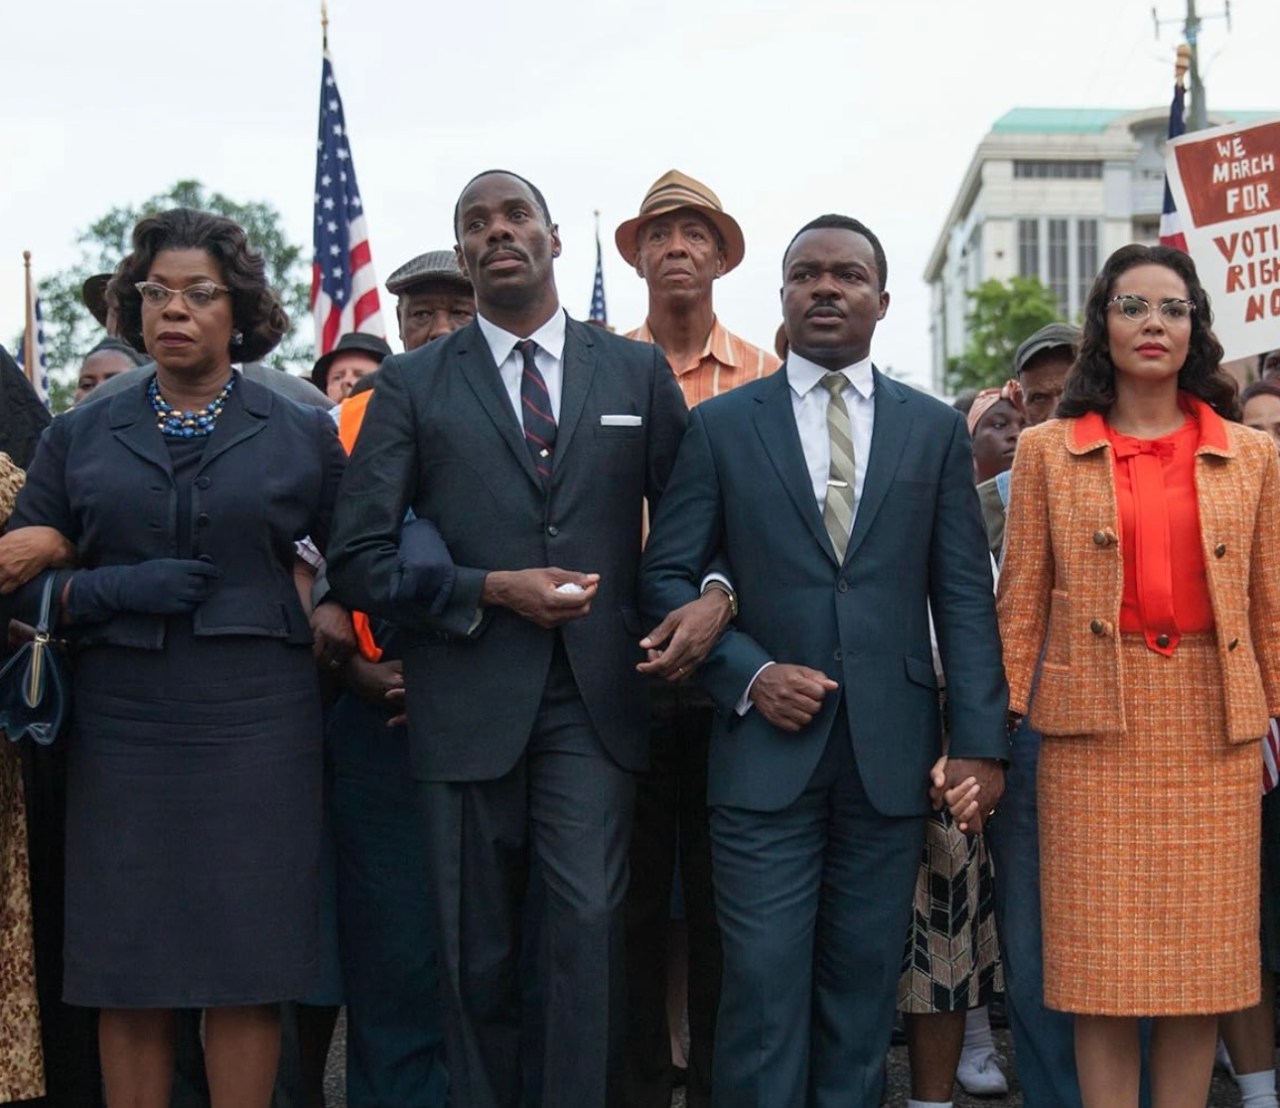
988 399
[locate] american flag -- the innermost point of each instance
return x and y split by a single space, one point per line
344 291
31 351
598 310
1170 225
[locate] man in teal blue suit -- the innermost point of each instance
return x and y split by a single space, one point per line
842 504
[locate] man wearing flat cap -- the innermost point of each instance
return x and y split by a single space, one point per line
681 242
434 298
390 963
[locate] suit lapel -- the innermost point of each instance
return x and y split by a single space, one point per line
481 375
888 437
133 423
776 425
578 367
243 416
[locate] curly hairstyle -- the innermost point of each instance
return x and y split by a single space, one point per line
1090 386
255 307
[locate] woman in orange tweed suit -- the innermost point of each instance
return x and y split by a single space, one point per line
1140 594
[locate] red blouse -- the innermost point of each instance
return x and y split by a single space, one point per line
1166 594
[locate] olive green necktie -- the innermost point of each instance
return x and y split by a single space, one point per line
837 514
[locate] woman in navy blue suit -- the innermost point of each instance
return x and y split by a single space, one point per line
194 791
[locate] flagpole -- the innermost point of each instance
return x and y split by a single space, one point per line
324 24
29 347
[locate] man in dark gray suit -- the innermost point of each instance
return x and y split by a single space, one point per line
530 442
843 505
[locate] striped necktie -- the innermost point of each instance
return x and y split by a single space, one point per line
837 513
535 408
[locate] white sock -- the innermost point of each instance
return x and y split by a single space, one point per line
928 1103
977 1032
1257 1090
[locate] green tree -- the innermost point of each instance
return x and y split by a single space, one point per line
69 328
1000 316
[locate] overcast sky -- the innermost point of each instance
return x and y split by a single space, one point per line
787 110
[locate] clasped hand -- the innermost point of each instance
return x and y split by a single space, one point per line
162 586
682 641
970 788
789 696
533 594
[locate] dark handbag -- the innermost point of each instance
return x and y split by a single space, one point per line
35 684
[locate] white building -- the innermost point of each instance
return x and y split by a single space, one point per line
1050 193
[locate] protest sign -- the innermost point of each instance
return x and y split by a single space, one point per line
1226 184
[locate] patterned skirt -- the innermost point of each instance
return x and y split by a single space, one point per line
21 1058
1149 847
952 960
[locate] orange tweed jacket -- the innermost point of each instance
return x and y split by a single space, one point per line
1062 578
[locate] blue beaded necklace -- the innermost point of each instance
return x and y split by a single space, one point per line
174 424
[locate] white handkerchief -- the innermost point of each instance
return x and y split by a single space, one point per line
621 421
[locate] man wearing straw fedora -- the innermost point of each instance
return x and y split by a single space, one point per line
681 242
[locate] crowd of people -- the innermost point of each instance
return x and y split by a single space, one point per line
592 715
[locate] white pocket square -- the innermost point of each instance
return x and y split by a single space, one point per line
621 421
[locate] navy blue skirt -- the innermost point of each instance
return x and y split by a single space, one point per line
193 824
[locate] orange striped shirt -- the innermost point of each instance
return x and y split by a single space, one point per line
725 363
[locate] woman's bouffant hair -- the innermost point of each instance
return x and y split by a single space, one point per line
1090 386
256 310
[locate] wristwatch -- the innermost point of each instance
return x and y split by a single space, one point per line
722 586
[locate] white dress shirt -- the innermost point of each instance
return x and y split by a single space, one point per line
549 358
809 403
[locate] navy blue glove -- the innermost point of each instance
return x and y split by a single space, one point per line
163 586
424 570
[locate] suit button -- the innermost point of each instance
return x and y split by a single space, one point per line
203 482
1162 641
1098 627
553 530
1233 644
1220 551
1099 538
202 520
206 558
838 655
842 585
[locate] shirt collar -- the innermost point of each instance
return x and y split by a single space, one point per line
803 375
550 337
718 346
1089 431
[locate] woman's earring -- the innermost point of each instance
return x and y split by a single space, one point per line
236 338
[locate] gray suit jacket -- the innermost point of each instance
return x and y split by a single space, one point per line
277 380
441 437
